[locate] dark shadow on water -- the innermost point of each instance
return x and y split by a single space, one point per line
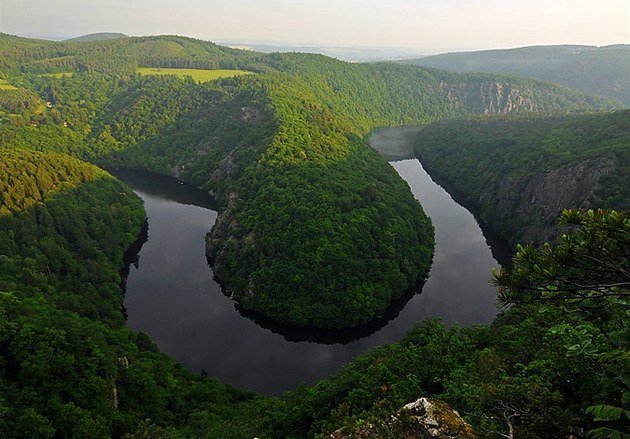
501 250
182 193
331 336
132 257
165 187
171 294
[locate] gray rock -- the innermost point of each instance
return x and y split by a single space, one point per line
425 418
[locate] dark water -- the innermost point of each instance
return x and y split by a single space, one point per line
171 294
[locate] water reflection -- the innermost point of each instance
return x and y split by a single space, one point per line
171 293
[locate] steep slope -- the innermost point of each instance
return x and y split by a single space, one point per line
291 241
519 173
602 70
69 367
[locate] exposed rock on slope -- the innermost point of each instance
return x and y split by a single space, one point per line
601 70
518 173
489 97
422 419
537 201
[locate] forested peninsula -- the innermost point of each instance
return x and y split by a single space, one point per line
315 229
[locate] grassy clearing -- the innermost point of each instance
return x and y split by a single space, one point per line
198 75
4 85
56 75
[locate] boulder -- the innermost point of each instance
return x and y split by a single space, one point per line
425 418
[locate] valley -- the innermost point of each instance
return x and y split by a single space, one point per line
170 293
318 246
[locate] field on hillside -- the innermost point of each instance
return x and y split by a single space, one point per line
198 75
56 75
4 85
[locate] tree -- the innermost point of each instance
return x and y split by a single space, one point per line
587 273
590 265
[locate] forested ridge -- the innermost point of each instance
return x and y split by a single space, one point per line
268 135
602 70
519 173
315 230
70 368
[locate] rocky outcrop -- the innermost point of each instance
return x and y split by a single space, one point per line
223 229
537 201
422 419
488 97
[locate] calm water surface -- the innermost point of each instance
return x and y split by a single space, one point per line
172 296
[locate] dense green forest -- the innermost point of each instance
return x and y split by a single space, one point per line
519 173
315 230
70 368
601 70
268 136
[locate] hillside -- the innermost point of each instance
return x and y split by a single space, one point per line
601 70
315 229
282 151
101 36
519 173
70 367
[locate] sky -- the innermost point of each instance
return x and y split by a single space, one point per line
420 24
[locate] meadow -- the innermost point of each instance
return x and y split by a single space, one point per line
4 85
198 75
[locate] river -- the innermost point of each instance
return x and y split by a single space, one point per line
172 296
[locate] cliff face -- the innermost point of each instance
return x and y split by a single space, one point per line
535 203
489 97
601 70
518 172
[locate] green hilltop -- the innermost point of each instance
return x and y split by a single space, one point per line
292 134
100 36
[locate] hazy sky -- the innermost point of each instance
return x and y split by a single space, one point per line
426 24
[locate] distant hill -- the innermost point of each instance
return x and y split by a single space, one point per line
314 229
101 36
601 70
354 54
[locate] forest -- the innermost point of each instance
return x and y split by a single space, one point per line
269 134
71 369
602 70
500 164
315 229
